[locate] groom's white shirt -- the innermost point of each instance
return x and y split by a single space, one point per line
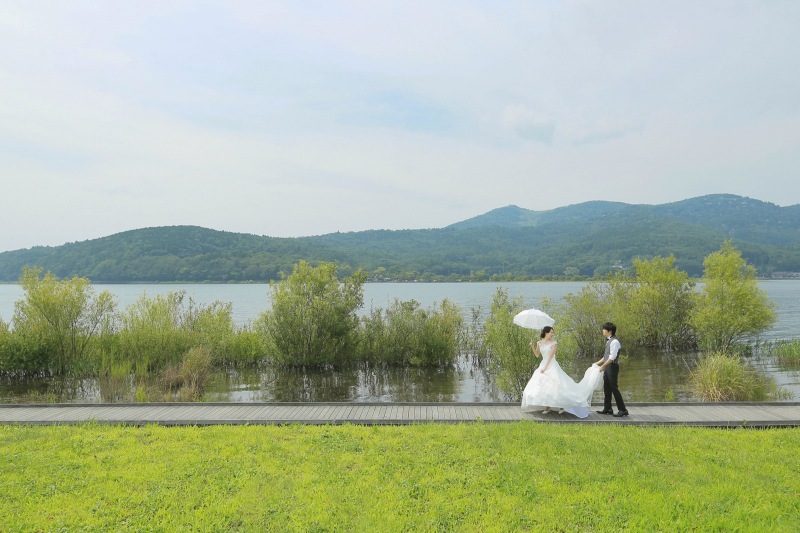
613 348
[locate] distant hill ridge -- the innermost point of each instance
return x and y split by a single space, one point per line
511 242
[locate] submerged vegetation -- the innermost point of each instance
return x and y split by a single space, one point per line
787 352
63 328
721 377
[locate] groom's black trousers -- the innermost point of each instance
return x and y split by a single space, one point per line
610 375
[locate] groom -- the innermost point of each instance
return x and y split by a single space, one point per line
609 362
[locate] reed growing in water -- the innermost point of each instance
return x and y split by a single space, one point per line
721 377
786 352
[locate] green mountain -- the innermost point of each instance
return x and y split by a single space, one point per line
591 238
516 217
735 216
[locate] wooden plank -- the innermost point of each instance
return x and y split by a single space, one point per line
724 414
405 413
363 412
330 413
499 414
270 412
309 413
326 413
315 413
337 412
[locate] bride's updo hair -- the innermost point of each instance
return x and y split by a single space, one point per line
545 331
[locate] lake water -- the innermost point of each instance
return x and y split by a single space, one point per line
646 376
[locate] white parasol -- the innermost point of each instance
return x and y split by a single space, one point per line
533 319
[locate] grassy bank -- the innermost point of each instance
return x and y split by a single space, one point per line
474 477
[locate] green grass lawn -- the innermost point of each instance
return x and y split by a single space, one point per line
427 477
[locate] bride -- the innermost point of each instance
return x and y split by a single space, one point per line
550 387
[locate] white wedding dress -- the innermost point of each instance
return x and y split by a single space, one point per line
555 389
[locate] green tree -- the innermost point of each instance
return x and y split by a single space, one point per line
65 314
313 320
658 305
730 308
509 351
650 307
582 318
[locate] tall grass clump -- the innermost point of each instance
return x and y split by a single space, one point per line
472 339
787 352
245 347
212 327
152 332
196 366
155 333
407 334
721 377
194 370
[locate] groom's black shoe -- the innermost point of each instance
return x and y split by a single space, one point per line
605 412
621 413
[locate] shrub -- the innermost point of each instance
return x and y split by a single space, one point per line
659 298
650 308
64 314
720 377
313 319
406 334
26 353
583 317
508 345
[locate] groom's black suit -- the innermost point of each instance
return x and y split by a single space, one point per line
610 376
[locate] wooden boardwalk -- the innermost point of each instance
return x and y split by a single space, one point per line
774 414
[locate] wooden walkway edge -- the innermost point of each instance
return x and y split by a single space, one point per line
727 415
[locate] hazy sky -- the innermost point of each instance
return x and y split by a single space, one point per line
309 117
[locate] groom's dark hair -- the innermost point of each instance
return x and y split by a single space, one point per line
609 326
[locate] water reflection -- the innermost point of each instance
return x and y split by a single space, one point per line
365 383
653 376
645 376
785 376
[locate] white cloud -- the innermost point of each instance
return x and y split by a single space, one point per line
289 119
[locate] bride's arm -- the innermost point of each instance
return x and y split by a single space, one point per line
535 348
